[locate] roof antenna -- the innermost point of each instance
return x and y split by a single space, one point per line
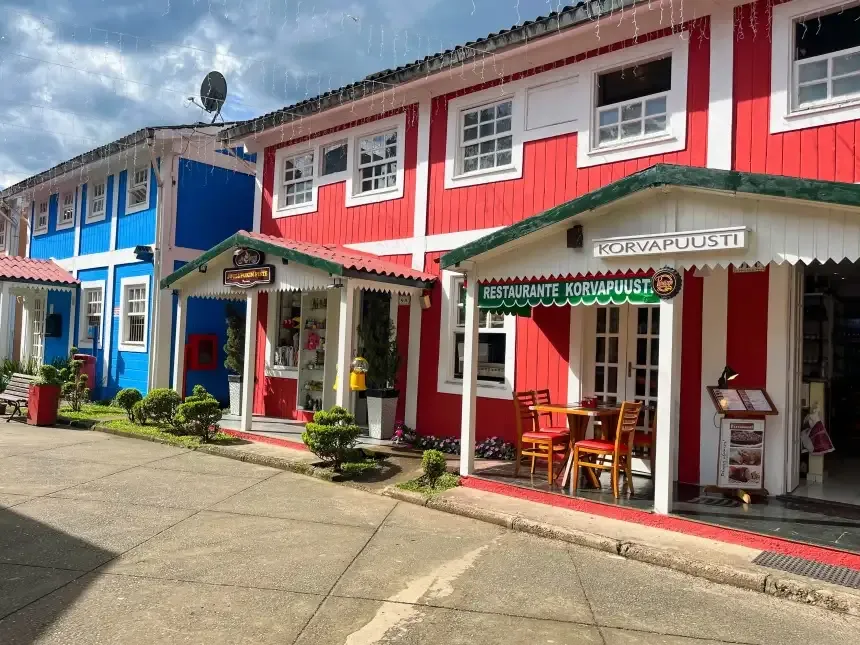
213 94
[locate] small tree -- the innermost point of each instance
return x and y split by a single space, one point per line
379 345
235 347
48 375
160 405
138 413
127 399
199 414
75 390
434 464
332 435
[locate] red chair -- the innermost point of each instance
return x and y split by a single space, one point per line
549 443
592 453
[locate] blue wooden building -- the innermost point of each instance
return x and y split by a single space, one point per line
119 218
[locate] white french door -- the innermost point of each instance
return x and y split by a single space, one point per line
37 330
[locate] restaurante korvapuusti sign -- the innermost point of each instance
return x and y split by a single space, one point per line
513 297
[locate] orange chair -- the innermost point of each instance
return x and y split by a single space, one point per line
591 453
545 444
647 441
544 419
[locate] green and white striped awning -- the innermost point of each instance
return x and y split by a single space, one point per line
517 298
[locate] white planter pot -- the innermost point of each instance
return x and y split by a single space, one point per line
381 414
234 383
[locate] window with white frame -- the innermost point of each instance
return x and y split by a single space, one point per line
298 180
333 158
632 102
3 226
41 217
67 210
138 189
37 336
492 340
377 162
134 311
826 61
92 307
486 141
98 201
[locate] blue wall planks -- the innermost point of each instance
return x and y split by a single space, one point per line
136 228
95 236
128 369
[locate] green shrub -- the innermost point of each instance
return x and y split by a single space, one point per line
127 399
75 390
199 414
434 465
48 375
161 405
332 435
359 468
138 413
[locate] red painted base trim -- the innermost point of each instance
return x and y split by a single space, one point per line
671 523
261 438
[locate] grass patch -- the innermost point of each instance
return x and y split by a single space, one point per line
159 433
445 482
92 412
358 468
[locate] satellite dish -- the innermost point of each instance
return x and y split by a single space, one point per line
213 93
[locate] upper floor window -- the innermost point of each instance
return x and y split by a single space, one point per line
298 180
334 158
486 140
3 225
138 190
377 162
41 224
67 210
826 58
632 102
98 199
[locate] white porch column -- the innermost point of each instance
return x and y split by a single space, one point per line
668 402
72 302
7 321
250 368
470 379
344 345
179 343
412 358
779 375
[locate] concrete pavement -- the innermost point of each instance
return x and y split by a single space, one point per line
112 540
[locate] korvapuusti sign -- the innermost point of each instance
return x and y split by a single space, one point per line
602 291
713 240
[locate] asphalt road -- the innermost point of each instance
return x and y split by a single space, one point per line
110 540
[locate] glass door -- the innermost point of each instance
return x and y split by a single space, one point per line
37 347
643 354
610 353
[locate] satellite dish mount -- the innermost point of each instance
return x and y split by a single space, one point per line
213 93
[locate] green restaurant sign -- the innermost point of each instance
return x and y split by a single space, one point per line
518 297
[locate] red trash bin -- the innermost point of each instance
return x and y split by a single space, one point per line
88 368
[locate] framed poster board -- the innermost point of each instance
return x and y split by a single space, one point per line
741 457
742 402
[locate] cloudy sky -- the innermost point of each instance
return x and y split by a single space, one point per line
75 74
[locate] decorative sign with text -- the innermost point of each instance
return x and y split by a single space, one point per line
243 258
511 297
666 283
250 277
717 239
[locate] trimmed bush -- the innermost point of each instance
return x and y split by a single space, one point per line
138 413
199 414
434 465
48 375
332 435
127 399
161 405
75 390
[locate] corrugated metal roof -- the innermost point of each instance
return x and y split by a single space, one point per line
530 30
18 269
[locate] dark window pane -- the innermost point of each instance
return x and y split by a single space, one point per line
491 357
640 382
642 320
655 320
334 160
652 392
827 34
600 353
634 82
612 380
614 317
613 349
599 378
601 320
655 351
641 351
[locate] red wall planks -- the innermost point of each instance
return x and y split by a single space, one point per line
262 324
333 222
746 328
689 434
280 397
550 175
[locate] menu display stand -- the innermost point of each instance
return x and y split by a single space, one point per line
740 459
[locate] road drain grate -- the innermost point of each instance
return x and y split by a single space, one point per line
842 576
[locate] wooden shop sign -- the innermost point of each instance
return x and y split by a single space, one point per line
249 277
716 239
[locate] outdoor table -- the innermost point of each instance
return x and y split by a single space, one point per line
577 421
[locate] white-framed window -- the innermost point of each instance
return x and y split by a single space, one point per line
283 335
496 345
137 195
4 225
815 66
632 102
37 329
40 223
637 103
486 141
134 314
334 158
97 197
66 212
91 314
377 162
298 180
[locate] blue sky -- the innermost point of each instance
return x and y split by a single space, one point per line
75 74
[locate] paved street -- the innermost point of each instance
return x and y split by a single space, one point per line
111 540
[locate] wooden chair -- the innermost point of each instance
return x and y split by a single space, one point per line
544 421
545 444
643 441
596 450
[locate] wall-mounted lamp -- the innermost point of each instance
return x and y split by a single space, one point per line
284 261
203 268
575 238
143 253
728 375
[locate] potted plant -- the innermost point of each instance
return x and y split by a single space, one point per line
43 400
235 357
379 347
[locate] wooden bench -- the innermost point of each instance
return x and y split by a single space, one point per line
16 393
